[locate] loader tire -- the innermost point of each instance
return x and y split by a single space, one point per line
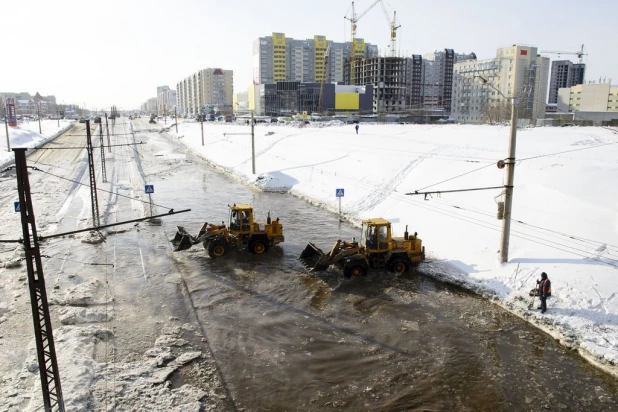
398 265
218 248
355 268
258 247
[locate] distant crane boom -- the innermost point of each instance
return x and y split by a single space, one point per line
580 53
394 27
355 18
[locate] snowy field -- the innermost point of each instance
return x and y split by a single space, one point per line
565 214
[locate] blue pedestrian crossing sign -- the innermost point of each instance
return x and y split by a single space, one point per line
149 188
17 207
339 192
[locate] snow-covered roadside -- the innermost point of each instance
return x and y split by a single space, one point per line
27 135
562 207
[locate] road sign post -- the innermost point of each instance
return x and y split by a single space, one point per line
339 193
149 189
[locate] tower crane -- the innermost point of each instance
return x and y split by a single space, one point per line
394 28
355 18
580 53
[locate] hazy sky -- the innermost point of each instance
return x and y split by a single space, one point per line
118 52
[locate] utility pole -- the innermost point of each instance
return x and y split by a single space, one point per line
38 114
176 118
252 143
6 125
58 117
103 171
165 114
93 182
109 144
202 126
510 178
510 174
46 350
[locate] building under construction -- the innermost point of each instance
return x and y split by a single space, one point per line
391 78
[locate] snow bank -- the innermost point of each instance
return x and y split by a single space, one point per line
27 135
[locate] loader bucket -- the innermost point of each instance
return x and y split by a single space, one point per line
313 258
182 240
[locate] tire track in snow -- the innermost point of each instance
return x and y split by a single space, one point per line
381 192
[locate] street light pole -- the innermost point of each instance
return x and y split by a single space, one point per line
38 114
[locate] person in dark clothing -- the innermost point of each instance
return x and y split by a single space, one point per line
544 291
356 127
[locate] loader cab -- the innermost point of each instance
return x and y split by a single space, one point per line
241 218
376 235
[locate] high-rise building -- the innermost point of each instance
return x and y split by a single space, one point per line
564 73
162 100
416 81
207 88
166 101
515 72
437 83
280 58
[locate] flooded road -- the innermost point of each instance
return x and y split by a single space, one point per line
286 339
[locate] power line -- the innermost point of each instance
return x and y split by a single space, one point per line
102 190
455 177
594 243
83 147
566 151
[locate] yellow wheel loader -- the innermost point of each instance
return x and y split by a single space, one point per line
376 249
243 233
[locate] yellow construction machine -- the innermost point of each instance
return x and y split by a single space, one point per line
243 233
377 249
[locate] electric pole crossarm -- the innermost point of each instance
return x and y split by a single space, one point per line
453 191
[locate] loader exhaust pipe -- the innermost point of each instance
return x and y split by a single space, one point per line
405 234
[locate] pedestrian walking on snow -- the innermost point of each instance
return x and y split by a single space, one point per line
544 291
356 127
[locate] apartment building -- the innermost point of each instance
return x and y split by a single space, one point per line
516 71
564 73
437 78
206 88
166 100
599 97
280 58
149 106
